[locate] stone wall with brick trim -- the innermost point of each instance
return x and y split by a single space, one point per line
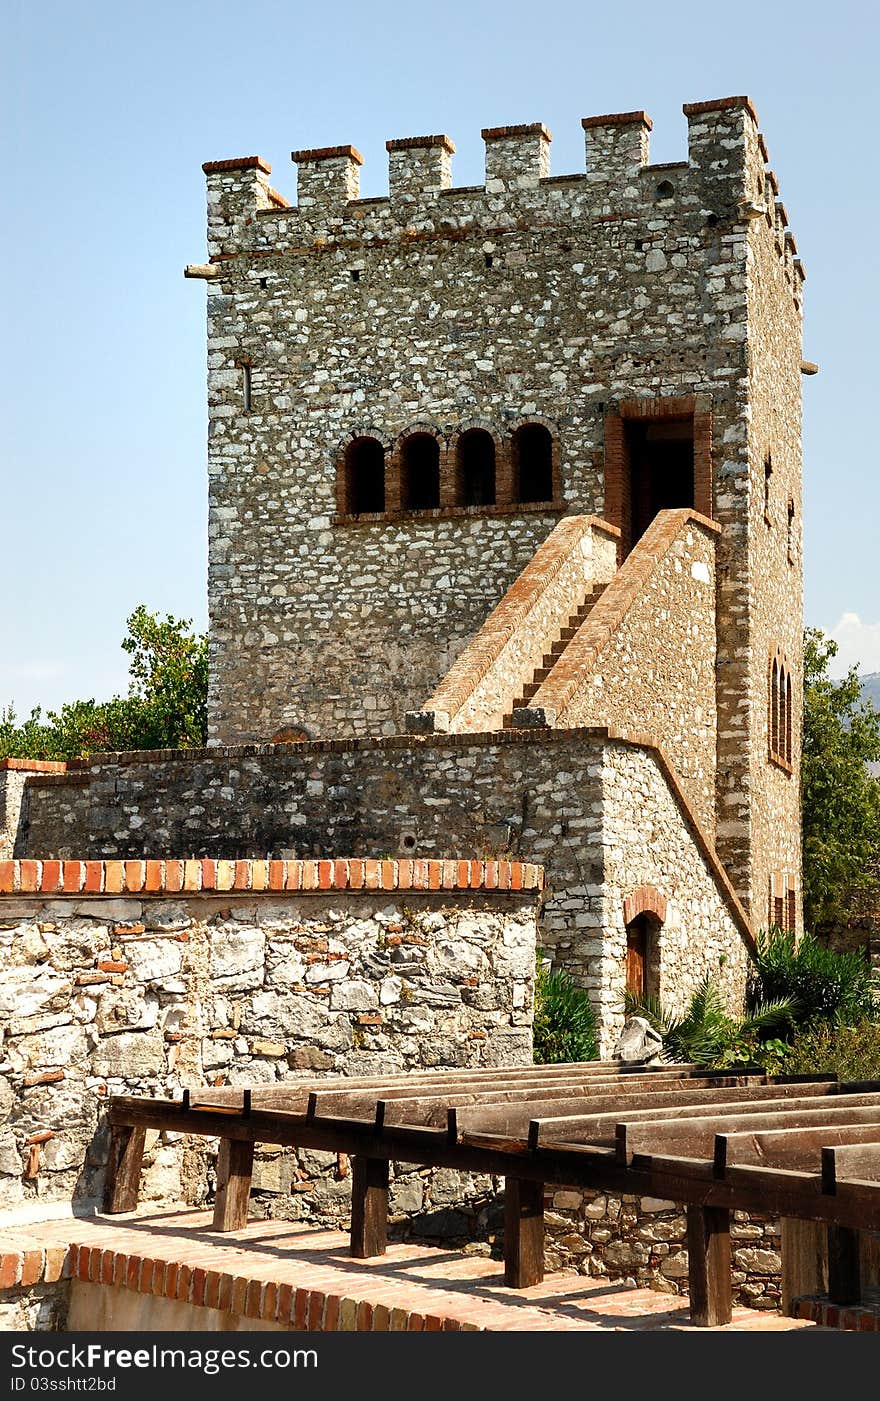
148 976
645 657
500 660
563 798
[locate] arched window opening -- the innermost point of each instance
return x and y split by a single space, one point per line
532 463
665 190
420 471
364 476
768 475
786 737
780 718
790 532
475 468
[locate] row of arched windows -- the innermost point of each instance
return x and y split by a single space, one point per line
424 473
780 716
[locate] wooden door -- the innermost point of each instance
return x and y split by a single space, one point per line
637 956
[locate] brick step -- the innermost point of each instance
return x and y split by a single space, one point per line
549 660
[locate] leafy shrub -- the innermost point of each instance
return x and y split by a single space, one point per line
822 985
565 1023
851 1052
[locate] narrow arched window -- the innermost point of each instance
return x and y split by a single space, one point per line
420 472
475 468
532 463
774 708
786 735
364 476
780 727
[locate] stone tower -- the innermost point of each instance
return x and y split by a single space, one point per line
407 394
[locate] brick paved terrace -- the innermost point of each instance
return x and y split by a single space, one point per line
169 1270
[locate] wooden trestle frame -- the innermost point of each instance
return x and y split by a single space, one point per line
806 1149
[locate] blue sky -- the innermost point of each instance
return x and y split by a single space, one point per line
109 109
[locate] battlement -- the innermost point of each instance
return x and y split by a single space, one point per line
723 184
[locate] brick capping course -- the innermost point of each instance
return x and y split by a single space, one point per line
720 104
237 163
327 153
498 133
618 119
164 877
33 765
415 143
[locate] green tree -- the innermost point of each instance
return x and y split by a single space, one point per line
841 799
166 707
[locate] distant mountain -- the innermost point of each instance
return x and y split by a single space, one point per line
871 688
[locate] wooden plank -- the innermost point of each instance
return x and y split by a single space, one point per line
523 1232
695 1137
804 1261
344 1101
848 1158
793 1148
844 1265
805 1097
123 1173
369 1206
235 1166
709 1283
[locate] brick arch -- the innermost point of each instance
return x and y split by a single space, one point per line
359 433
646 899
508 491
394 481
481 425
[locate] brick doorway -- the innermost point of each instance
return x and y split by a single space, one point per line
660 460
658 456
642 955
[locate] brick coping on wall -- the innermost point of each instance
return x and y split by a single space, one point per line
207 876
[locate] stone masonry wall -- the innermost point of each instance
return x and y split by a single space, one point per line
603 817
646 849
13 778
532 298
147 976
645 657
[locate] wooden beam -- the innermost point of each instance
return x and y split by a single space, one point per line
793 1148
523 1232
709 1284
855 1159
804 1261
695 1136
123 1173
235 1166
844 1266
369 1206
561 1125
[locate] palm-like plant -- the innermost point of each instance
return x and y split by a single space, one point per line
705 1034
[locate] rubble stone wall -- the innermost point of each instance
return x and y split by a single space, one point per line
145 977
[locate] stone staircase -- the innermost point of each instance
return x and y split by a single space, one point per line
550 658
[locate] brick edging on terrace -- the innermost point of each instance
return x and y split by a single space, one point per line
266 877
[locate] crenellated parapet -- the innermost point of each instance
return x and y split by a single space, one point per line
724 184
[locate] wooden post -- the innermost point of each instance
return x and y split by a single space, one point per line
709 1286
369 1206
123 1175
804 1261
844 1272
235 1166
523 1232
